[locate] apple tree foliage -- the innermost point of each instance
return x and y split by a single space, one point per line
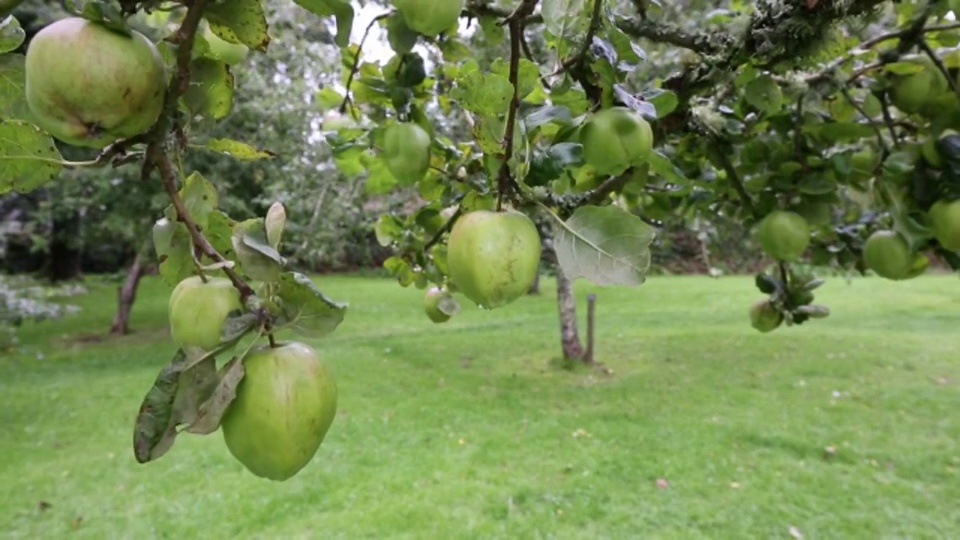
825 125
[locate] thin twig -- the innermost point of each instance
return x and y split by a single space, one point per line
737 183
446 227
356 59
529 54
939 63
515 23
581 55
888 120
860 109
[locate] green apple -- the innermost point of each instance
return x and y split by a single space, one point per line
944 219
431 305
430 17
815 213
616 139
887 253
930 153
406 151
88 85
863 163
912 91
198 309
784 235
284 407
764 317
493 257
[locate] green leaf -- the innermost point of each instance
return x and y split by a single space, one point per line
174 250
840 131
341 9
548 114
763 94
28 157
606 245
220 234
628 52
211 89
486 94
11 34
328 99
528 75
274 222
199 198
152 436
210 412
13 102
550 164
239 21
388 229
816 185
238 150
401 38
259 259
305 308
174 399
566 19
379 180
664 101
661 165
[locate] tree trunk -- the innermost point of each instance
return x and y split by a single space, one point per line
64 259
535 286
567 306
126 296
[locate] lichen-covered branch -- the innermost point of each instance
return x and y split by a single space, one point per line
706 43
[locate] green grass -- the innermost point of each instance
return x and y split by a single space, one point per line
464 430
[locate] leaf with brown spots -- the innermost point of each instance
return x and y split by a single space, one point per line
240 21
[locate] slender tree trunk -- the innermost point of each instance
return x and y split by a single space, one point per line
64 262
126 296
535 286
567 306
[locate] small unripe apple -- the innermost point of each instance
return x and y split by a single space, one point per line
945 222
784 235
431 305
406 151
197 310
764 317
616 139
887 253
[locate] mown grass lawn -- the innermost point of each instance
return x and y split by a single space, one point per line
706 429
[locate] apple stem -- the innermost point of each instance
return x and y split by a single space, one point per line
273 342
